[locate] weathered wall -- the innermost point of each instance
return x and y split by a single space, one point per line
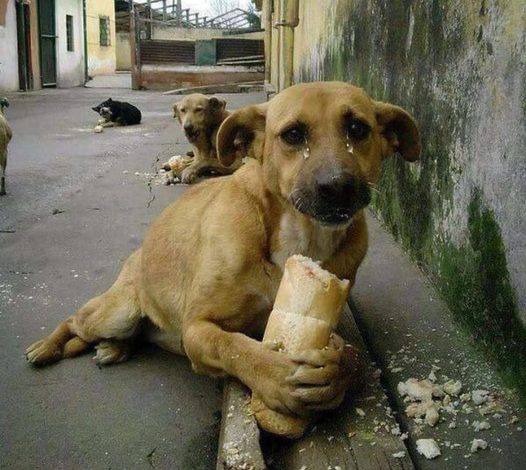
123 50
70 64
460 68
9 50
101 59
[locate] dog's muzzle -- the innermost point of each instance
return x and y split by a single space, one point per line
191 132
333 199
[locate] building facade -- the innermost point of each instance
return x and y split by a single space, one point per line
69 46
101 37
55 43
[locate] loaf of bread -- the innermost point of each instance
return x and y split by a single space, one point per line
307 308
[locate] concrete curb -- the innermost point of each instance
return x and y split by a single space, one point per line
239 447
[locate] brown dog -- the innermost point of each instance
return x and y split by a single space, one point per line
5 136
200 116
320 146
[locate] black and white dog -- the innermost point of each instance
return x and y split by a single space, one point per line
117 112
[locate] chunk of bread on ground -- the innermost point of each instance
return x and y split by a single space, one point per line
307 308
177 164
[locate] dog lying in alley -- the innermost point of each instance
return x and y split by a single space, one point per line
317 151
200 117
5 136
117 113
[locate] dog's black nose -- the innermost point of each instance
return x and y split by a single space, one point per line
335 188
342 190
189 128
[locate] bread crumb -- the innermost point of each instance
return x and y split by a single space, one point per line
421 390
480 396
478 444
428 448
399 455
453 387
481 426
360 412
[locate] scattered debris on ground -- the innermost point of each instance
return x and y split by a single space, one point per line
430 403
428 448
478 444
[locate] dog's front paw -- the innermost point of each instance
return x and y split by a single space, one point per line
312 380
111 352
43 352
324 375
188 176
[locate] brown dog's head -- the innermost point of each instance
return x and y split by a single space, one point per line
321 145
199 114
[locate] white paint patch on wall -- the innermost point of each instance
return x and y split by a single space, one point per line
9 51
70 64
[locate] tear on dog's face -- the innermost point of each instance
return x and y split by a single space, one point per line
321 146
197 113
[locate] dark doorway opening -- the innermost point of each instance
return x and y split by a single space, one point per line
23 23
48 57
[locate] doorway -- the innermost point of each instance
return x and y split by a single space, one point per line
48 57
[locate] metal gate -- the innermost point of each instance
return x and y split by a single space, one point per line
48 59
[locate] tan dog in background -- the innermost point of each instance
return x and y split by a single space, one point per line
200 117
319 149
5 136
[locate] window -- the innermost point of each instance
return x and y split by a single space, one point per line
104 30
69 32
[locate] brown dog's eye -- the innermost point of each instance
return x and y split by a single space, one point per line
357 129
182 110
294 135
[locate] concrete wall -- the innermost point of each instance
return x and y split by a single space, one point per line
191 34
460 68
101 59
123 50
9 50
70 64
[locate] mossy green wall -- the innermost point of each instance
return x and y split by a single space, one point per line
459 67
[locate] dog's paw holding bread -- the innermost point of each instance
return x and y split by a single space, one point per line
306 311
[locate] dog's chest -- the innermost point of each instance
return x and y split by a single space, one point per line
299 238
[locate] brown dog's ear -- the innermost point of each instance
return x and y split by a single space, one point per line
216 103
399 131
243 131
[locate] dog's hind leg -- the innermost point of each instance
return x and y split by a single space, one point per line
113 316
3 164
